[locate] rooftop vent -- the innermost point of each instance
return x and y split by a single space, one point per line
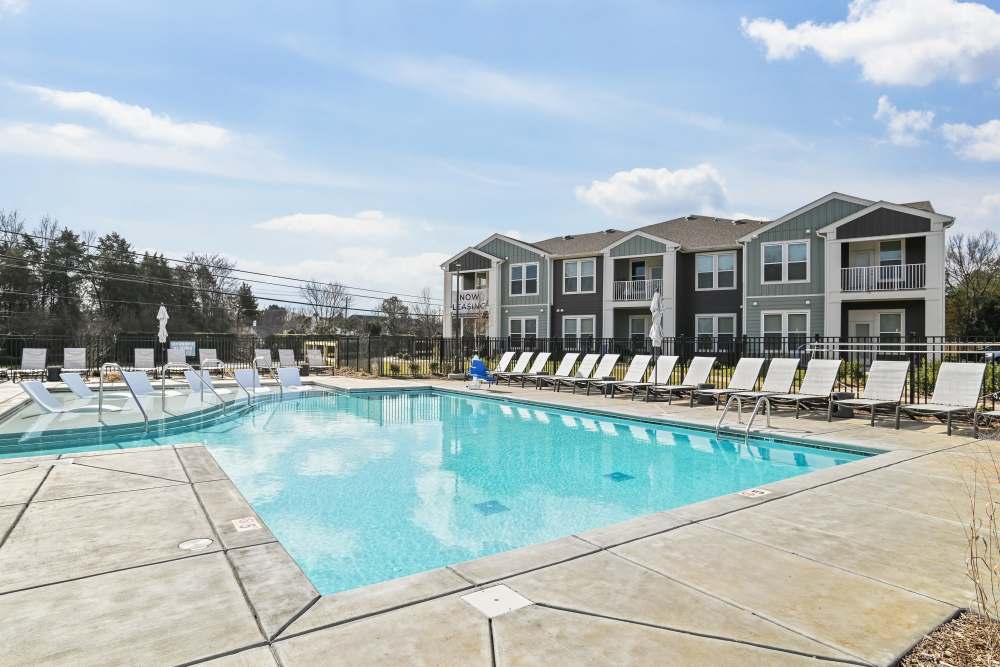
691 217
610 231
568 237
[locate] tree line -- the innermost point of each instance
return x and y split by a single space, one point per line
972 273
56 281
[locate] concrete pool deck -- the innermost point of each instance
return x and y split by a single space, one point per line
852 564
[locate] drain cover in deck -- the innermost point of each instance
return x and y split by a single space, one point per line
754 493
619 476
491 507
496 601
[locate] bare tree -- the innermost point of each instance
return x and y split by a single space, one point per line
427 315
972 272
327 302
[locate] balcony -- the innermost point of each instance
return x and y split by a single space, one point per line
883 278
635 290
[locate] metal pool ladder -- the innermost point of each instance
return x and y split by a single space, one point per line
762 401
100 393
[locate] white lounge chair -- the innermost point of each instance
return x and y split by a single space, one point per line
583 371
817 386
633 375
249 380
32 363
315 360
49 403
537 368
883 387
139 383
289 380
176 355
956 392
208 360
662 372
778 380
520 366
145 360
286 358
196 379
503 364
262 360
605 369
564 370
75 360
697 373
744 378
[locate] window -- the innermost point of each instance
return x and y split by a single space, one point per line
890 253
581 327
712 328
715 271
785 262
638 327
779 325
638 270
524 279
578 276
525 328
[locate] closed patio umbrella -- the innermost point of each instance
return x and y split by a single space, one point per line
656 330
162 316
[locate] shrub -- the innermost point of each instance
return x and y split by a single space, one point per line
394 368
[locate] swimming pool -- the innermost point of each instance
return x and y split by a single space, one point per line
364 487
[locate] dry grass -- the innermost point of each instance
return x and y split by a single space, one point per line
970 640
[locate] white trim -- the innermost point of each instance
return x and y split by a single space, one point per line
522 319
520 244
802 209
945 220
477 251
666 242
784 320
647 323
784 262
877 324
524 279
715 271
764 297
715 323
579 319
579 275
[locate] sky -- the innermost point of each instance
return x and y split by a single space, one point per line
367 142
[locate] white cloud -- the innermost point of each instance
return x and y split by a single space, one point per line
366 224
989 205
898 42
975 142
132 120
658 193
11 7
903 127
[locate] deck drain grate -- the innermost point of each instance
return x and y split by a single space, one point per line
619 476
491 507
195 545
496 601
246 523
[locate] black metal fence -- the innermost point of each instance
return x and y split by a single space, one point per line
409 356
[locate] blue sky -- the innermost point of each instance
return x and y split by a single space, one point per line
366 142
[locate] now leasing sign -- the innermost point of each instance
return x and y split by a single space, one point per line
473 303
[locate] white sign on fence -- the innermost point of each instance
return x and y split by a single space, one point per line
188 346
473 303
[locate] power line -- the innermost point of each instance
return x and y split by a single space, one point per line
234 269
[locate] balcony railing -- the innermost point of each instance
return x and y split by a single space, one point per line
636 290
883 278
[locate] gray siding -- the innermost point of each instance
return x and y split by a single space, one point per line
639 245
884 222
814 307
915 323
577 304
691 302
470 260
515 254
793 230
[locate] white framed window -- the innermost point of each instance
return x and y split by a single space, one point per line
715 325
784 262
780 325
523 327
638 326
715 271
890 253
524 279
579 276
579 326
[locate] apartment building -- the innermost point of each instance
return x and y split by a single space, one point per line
838 266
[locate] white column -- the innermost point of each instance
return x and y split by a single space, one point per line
608 314
934 292
494 308
448 311
831 280
669 296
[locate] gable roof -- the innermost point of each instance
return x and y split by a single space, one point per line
943 220
576 244
513 241
802 209
921 205
462 253
702 232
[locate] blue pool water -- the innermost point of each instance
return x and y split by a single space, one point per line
361 488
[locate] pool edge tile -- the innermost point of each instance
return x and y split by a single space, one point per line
524 559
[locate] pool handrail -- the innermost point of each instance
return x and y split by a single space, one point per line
100 393
203 384
766 402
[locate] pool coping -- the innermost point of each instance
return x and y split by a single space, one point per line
325 611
